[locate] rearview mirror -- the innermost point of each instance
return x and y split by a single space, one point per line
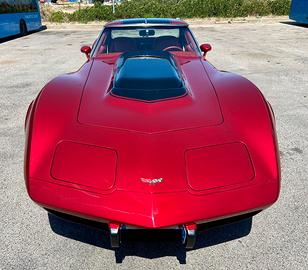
205 48
86 50
147 33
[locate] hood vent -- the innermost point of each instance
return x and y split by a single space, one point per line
147 76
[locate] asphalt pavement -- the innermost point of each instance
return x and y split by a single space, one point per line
272 54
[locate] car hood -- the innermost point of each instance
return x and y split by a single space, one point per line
198 108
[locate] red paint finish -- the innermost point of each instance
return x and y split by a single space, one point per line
86 50
218 166
205 48
191 226
179 113
85 165
214 150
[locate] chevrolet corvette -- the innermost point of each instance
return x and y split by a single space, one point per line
148 134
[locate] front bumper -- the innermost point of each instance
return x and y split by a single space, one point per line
153 210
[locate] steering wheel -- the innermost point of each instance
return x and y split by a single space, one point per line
177 48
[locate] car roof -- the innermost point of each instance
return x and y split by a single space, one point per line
146 22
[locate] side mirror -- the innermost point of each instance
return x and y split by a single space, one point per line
86 50
205 48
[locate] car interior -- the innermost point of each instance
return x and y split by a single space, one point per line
147 40
125 44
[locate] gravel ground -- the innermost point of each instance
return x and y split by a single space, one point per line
273 55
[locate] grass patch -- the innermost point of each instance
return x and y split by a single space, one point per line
174 9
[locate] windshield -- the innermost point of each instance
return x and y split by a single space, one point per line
115 40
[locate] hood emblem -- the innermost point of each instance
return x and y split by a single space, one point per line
151 181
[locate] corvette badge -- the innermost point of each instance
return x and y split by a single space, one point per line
151 181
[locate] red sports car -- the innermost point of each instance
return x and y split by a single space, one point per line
148 134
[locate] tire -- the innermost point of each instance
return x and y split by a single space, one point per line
23 28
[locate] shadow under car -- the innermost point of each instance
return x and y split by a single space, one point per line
149 243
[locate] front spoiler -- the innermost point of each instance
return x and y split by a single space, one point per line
153 210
